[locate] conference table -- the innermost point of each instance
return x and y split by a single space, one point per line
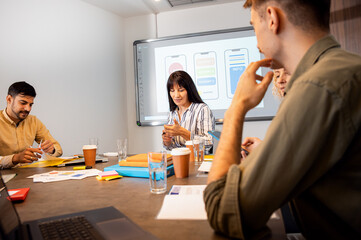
130 196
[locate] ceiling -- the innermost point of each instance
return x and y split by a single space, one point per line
131 8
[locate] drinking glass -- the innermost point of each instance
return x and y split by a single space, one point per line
157 165
199 142
202 142
122 149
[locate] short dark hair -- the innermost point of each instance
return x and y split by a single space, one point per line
183 80
306 14
21 88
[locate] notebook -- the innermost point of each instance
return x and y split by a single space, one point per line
105 223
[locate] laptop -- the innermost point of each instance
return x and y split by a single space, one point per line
103 223
81 161
217 135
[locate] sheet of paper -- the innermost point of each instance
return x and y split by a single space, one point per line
205 167
8 177
187 190
183 207
184 202
54 176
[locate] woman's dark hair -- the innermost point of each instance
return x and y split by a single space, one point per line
21 88
183 80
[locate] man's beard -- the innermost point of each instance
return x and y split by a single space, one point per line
22 112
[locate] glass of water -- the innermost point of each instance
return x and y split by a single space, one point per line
157 164
122 149
202 142
199 148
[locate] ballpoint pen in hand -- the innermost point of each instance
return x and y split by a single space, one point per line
41 141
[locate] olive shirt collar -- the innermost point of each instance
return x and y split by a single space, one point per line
311 57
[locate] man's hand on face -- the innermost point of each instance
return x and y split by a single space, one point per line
249 93
250 143
27 156
47 146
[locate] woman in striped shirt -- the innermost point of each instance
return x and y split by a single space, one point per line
189 115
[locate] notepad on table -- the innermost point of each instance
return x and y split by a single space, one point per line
108 175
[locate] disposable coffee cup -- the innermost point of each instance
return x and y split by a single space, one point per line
90 152
190 146
180 158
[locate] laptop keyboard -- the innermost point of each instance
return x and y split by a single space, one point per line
77 227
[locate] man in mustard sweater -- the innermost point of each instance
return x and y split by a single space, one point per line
19 130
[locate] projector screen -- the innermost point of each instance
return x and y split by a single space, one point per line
214 60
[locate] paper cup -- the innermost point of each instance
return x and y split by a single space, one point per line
180 158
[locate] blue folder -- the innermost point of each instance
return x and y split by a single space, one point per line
142 172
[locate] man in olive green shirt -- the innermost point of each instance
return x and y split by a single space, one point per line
312 151
19 130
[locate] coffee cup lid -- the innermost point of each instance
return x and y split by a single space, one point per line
180 151
89 146
189 142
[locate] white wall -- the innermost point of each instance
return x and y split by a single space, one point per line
72 53
202 19
223 16
80 60
140 139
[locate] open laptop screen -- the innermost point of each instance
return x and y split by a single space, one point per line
9 220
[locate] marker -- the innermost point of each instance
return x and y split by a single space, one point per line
82 168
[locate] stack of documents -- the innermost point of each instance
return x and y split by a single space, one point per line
184 202
54 176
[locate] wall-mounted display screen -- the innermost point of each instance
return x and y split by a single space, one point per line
214 60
